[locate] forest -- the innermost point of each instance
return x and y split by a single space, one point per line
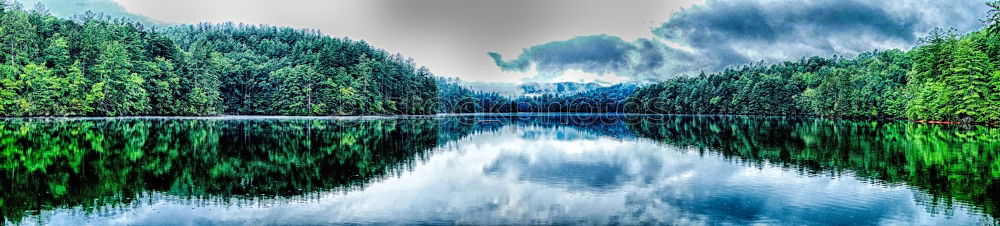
94 65
946 77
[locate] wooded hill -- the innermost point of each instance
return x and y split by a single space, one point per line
101 66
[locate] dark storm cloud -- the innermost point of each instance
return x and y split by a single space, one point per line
726 33
721 34
650 57
595 54
519 64
599 53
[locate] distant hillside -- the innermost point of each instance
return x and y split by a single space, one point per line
533 97
70 8
533 89
560 89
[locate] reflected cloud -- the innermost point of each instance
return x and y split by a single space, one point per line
572 175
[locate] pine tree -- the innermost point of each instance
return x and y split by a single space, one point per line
56 54
40 91
8 92
123 91
969 78
18 37
164 87
993 21
74 95
992 111
297 94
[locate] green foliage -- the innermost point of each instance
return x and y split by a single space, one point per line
95 65
952 79
74 95
790 88
948 77
57 54
123 92
19 37
866 87
274 70
296 90
454 98
993 21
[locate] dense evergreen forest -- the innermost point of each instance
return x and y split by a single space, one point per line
101 66
96 65
946 77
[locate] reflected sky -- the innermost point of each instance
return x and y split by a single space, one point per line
543 174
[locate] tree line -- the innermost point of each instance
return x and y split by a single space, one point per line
96 65
455 98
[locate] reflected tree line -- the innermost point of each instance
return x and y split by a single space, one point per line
949 163
103 164
95 164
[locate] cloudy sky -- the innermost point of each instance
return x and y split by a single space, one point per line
608 41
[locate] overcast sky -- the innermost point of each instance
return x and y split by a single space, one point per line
584 40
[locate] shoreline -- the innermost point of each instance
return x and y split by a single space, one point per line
527 114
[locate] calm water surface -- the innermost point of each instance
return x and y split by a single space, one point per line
495 169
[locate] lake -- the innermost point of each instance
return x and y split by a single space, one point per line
497 169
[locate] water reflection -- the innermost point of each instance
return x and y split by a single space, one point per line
98 165
497 170
950 163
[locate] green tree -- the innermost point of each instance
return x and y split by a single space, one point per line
164 86
10 85
993 21
41 89
298 91
123 92
202 80
969 75
17 35
73 98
